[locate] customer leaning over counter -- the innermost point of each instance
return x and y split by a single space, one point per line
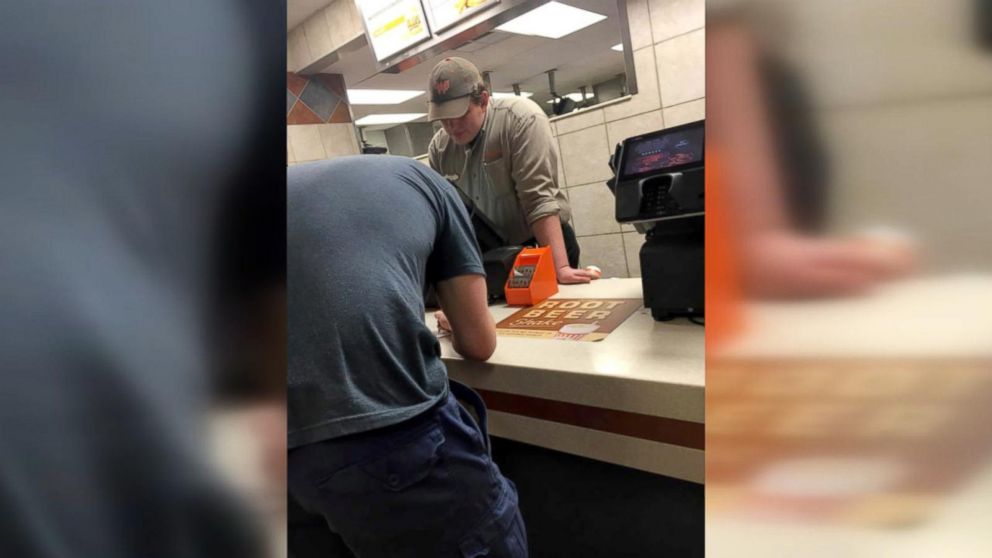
383 460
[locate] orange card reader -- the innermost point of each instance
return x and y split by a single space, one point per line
532 278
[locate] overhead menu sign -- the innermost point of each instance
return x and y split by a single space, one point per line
393 26
445 13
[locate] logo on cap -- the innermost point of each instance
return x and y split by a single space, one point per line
441 86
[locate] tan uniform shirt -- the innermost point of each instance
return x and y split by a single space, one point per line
510 172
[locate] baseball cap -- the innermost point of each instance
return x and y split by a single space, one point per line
451 82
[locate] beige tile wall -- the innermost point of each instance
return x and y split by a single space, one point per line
322 33
640 24
313 142
669 57
671 18
589 214
317 37
585 155
632 242
682 68
685 113
297 49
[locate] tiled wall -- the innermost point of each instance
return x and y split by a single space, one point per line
668 38
318 118
322 33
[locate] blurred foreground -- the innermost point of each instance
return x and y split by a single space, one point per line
849 356
142 234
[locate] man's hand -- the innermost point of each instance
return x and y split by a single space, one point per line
442 322
783 264
466 315
569 275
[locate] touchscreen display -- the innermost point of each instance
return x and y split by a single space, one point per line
655 153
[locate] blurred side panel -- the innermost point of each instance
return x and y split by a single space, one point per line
141 234
848 387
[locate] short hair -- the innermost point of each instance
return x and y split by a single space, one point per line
476 94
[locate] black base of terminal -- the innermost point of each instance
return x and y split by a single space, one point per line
672 269
580 507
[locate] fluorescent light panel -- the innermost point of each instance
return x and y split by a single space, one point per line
380 119
501 95
380 96
552 20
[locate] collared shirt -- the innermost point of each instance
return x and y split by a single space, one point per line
510 171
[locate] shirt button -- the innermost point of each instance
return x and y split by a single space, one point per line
393 480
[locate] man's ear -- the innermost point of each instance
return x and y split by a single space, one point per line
484 96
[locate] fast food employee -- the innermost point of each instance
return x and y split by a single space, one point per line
502 155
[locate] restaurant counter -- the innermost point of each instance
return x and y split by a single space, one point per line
884 394
634 399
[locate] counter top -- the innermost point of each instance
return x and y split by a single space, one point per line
885 393
635 398
939 316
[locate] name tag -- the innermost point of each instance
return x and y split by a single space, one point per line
490 156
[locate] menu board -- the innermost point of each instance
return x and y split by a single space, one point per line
445 13
569 319
393 26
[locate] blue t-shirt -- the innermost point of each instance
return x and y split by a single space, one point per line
364 234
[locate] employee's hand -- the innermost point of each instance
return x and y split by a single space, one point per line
442 322
788 265
569 275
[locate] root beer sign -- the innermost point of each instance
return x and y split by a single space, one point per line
569 319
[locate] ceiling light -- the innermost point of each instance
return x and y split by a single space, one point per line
380 96
618 47
577 97
552 20
500 95
378 119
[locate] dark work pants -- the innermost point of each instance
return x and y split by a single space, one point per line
426 487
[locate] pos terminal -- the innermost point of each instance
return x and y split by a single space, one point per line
659 189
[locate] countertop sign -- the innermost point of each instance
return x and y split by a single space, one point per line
569 319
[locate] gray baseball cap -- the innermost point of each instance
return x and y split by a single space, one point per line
450 85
